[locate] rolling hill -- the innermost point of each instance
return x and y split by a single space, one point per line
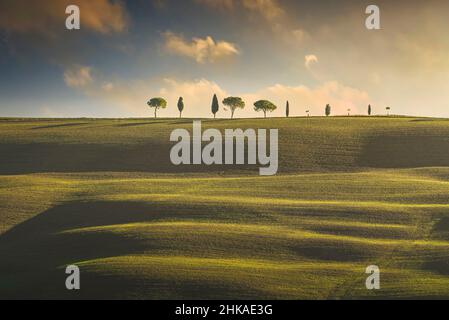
103 194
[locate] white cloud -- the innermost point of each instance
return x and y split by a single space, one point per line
309 60
197 95
303 98
130 96
108 86
201 50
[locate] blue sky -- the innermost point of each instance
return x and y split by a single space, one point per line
308 52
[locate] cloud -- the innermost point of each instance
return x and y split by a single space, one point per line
48 16
300 36
275 16
78 77
309 60
201 50
104 16
197 95
107 86
218 4
296 39
130 96
269 9
303 98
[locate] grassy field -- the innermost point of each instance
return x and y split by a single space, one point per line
102 194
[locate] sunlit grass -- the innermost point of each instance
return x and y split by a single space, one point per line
137 231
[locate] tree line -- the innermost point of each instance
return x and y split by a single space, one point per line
233 103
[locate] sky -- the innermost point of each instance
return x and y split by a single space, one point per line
311 53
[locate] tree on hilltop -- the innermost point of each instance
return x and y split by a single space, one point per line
234 103
265 106
157 103
328 110
180 106
215 105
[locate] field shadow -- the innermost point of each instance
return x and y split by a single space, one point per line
51 157
170 122
405 151
439 262
137 124
327 251
152 157
429 120
35 252
60 125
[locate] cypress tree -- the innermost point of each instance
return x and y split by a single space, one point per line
328 110
180 106
215 105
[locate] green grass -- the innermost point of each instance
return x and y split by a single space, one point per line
102 194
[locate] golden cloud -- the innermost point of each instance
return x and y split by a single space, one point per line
219 4
303 98
48 16
131 95
201 50
269 9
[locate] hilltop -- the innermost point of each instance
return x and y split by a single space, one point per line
102 194
305 144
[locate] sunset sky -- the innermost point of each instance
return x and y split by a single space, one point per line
308 52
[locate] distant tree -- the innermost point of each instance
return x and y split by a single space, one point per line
215 105
287 109
180 106
388 110
157 103
328 110
369 110
349 112
265 106
308 113
234 103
